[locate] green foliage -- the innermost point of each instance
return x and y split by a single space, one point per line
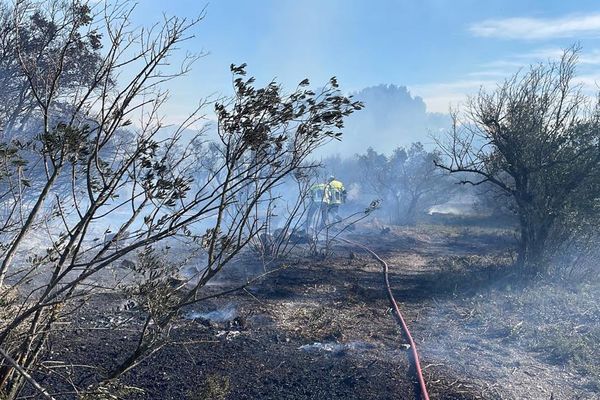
67 143
11 161
408 178
268 121
215 387
38 52
154 293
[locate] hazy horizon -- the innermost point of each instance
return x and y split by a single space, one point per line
434 53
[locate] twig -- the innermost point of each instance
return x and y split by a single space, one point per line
233 290
253 296
26 375
432 365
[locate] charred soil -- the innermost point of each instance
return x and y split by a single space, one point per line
322 329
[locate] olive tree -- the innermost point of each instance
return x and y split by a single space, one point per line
408 179
536 137
33 40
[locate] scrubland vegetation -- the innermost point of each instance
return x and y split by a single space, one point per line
132 251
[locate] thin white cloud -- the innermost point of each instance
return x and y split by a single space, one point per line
590 83
504 65
504 68
586 57
489 73
439 96
538 28
545 53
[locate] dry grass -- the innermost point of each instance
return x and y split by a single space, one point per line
558 321
214 387
311 321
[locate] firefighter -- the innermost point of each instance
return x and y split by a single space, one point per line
318 203
336 195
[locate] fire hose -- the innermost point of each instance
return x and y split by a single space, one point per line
411 342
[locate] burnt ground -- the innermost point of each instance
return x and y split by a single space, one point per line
322 329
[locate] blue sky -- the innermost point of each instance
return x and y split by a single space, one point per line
440 50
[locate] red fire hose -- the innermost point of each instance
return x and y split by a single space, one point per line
413 347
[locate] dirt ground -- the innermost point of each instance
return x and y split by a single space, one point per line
322 329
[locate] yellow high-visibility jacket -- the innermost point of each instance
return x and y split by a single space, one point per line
336 192
319 193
